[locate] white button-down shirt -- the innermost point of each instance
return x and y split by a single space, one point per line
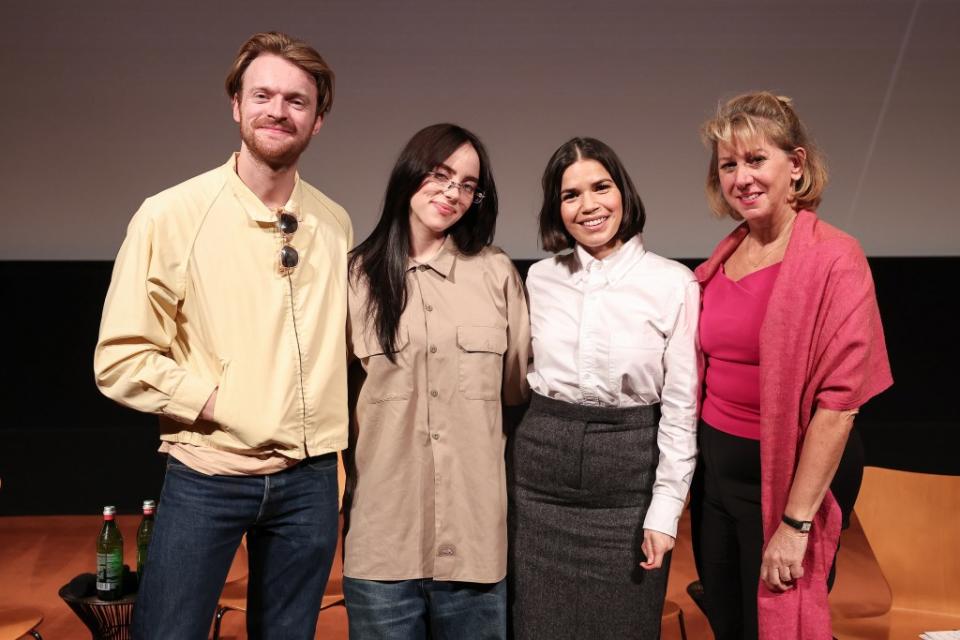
621 332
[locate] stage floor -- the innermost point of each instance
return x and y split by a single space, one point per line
40 554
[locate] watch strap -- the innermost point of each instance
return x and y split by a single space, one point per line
803 526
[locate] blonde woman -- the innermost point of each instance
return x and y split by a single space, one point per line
793 346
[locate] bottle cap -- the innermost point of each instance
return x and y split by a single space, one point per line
109 510
149 505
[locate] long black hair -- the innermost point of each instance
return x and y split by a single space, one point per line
383 257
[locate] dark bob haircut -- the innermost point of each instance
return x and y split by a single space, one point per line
554 236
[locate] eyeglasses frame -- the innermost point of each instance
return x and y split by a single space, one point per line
446 183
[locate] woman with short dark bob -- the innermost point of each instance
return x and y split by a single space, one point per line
440 332
601 464
793 346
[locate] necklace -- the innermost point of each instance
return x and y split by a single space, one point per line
773 246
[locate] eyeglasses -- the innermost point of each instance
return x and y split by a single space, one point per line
445 182
287 225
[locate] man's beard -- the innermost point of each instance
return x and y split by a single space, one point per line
276 154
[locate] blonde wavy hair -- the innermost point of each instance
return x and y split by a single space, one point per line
763 115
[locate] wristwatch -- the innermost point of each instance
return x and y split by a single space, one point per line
803 526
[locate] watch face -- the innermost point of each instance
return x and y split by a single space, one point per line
805 526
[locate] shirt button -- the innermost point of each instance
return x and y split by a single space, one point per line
434 393
429 307
422 267
436 436
447 550
433 348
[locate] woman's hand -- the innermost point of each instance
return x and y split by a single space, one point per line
783 558
655 546
823 445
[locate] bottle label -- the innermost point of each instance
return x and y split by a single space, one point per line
109 571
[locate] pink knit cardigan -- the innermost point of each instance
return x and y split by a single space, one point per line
821 345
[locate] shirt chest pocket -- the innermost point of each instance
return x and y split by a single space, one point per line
386 381
480 356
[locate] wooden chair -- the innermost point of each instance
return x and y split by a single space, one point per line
19 622
672 612
912 522
234 595
860 589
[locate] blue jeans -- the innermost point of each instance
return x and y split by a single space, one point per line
425 608
290 519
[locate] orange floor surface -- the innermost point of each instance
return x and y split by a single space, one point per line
39 554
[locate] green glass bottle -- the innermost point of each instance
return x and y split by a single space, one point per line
109 558
143 535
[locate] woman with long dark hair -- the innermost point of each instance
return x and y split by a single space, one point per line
601 464
439 326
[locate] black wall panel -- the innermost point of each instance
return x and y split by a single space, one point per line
66 449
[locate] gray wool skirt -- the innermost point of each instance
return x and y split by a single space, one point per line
580 480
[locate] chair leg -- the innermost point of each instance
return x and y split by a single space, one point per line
683 627
221 611
695 591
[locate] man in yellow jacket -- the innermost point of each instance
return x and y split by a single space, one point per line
226 317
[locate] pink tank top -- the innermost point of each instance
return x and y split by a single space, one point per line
730 338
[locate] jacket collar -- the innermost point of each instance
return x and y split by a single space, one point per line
249 201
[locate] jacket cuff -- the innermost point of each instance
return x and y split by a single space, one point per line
663 514
187 401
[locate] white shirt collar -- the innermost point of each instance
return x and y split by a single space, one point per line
611 268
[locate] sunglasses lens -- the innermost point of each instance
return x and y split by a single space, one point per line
289 258
288 223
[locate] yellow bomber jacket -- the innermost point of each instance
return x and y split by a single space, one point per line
197 301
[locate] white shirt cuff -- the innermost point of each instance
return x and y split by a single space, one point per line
663 514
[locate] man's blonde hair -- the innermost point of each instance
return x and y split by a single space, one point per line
294 51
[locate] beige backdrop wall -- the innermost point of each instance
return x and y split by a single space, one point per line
105 103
